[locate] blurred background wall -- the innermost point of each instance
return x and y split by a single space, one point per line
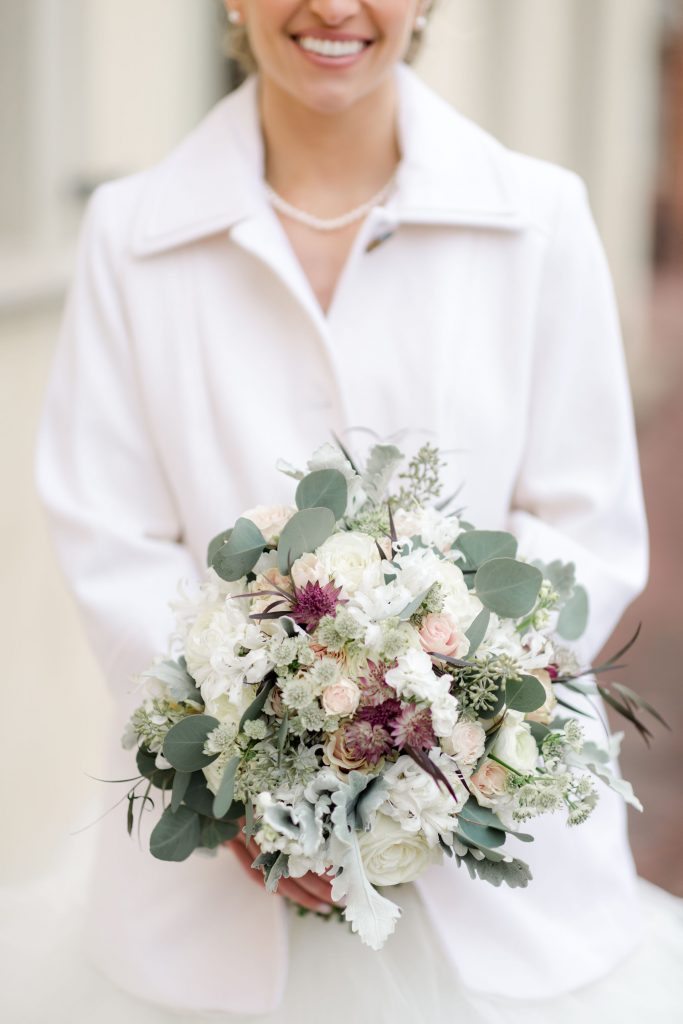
92 89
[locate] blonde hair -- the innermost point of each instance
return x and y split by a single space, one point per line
237 46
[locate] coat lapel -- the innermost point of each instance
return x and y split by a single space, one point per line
451 173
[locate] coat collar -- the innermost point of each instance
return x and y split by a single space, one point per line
452 172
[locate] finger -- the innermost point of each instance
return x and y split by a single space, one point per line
319 887
287 887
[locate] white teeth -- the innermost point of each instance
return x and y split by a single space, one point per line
331 47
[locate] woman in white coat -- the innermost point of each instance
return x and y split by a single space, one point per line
334 247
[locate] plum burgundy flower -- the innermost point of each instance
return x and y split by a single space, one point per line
313 602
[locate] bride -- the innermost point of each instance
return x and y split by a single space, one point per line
335 247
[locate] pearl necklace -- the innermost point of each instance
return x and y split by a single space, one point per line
327 223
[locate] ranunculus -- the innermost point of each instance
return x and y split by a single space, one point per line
341 698
350 559
489 782
307 569
544 714
465 743
514 744
270 519
391 856
439 634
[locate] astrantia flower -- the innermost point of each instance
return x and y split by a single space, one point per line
412 727
313 602
367 742
373 687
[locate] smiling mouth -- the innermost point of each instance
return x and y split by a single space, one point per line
332 48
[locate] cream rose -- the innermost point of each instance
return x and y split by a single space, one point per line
391 856
514 744
489 782
439 634
465 743
341 698
270 519
544 714
350 559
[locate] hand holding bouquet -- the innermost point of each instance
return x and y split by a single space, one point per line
371 684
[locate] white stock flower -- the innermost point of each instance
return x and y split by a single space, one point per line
430 525
414 676
458 602
351 560
390 856
418 803
514 744
544 714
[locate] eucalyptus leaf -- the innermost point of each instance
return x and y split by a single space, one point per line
477 631
305 531
562 576
184 743
257 705
481 546
525 694
175 835
324 488
508 587
226 789
413 606
216 544
539 732
181 780
573 619
481 834
162 778
198 795
213 832
241 551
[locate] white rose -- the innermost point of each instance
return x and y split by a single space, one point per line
350 559
544 714
341 698
515 745
465 743
391 856
270 519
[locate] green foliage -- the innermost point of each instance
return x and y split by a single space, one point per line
508 587
241 551
514 873
324 488
213 832
184 743
176 835
257 705
383 461
524 694
161 778
216 544
422 479
481 546
573 618
305 531
181 780
477 631
226 790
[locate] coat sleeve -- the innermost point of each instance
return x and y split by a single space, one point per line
110 510
578 495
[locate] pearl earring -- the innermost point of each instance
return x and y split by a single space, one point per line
421 23
234 17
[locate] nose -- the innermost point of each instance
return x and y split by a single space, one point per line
335 12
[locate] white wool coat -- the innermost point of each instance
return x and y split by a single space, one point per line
193 353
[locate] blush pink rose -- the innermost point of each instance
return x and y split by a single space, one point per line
439 634
341 698
490 780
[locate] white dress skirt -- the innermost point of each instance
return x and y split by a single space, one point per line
46 976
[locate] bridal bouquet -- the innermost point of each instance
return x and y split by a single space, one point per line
367 684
